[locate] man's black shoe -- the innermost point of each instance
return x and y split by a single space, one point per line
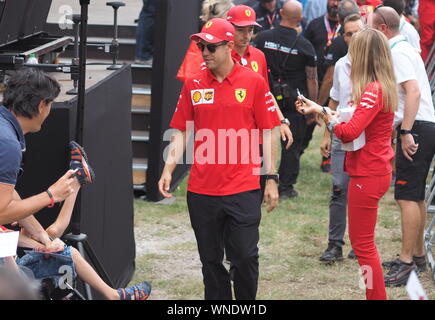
420 262
399 273
351 255
332 253
389 264
288 194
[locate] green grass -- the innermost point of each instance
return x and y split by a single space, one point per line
292 238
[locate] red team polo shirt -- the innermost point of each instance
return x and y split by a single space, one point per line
240 103
255 60
374 158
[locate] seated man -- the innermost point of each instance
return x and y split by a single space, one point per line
67 262
27 102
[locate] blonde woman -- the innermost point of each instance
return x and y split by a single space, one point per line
375 95
215 9
193 62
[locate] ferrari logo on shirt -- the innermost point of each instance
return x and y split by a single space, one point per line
248 13
240 94
254 65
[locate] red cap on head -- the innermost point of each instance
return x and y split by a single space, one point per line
214 31
242 16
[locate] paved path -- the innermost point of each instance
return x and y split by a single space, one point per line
99 13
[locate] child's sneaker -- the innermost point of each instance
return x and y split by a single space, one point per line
79 160
140 291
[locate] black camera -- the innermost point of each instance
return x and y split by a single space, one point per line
281 90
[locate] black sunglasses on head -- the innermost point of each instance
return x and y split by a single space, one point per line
379 12
210 47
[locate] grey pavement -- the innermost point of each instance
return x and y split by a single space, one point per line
99 13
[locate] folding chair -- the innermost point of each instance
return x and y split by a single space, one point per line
429 234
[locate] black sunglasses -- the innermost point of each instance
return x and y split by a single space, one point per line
379 12
210 47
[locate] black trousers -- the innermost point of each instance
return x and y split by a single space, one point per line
289 166
231 223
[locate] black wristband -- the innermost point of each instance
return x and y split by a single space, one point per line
274 177
51 205
403 131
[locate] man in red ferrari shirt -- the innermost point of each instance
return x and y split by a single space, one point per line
243 18
226 103
367 6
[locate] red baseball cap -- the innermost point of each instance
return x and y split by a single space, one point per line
214 31
242 16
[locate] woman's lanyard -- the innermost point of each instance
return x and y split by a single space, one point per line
332 33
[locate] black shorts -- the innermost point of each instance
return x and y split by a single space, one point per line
411 175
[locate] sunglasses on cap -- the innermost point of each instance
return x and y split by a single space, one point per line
210 47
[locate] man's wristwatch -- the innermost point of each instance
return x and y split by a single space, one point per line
273 177
403 131
285 121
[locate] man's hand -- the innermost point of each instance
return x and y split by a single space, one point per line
271 194
325 144
409 148
64 187
286 134
164 184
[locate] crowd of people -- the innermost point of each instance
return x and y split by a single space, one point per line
364 60
254 74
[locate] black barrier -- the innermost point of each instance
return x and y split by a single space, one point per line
175 21
22 18
106 206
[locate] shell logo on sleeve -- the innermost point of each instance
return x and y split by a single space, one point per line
196 96
202 96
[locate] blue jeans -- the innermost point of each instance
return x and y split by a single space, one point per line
57 266
338 202
145 31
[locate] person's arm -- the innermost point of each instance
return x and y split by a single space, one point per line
366 110
14 209
57 229
176 147
326 86
325 144
412 102
312 83
284 129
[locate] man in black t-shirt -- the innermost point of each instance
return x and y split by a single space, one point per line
268 16
321 31
292 62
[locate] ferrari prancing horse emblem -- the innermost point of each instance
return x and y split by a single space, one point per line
254 65
240 94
